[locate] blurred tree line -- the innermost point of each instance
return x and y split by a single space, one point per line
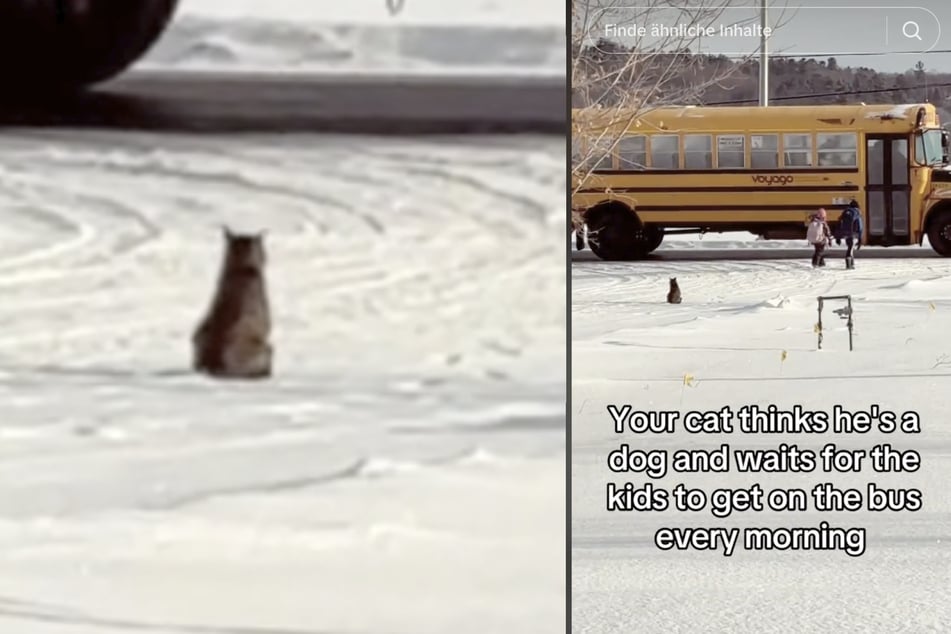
737 80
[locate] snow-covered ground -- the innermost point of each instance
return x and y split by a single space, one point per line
404 469
470 36
745 303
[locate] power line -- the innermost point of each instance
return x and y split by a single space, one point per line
782 55
829 54
829 94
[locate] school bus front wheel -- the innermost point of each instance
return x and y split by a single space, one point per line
939 232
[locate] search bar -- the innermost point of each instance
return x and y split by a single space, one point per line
802 31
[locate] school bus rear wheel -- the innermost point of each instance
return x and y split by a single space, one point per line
939 233
616 233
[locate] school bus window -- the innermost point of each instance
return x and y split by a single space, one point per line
632 153
875 162
604 162
698 152
665 152
837 150
731 151
797 150
900 213
764 151
900 161
602 154
928 149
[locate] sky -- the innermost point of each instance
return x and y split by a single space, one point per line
888 36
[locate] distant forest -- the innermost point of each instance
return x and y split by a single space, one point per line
820 81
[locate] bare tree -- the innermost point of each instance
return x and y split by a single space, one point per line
629 60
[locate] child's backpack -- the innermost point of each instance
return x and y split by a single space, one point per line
848 224
814 233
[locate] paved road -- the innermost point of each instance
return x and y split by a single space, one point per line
373 104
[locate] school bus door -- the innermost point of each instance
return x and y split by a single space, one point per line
887 189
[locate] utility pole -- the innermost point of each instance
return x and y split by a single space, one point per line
763 59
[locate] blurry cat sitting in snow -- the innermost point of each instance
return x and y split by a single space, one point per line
673 295
232 340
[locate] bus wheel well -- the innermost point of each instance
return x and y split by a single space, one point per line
938 229
595 214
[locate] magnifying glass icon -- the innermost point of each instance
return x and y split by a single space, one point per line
911 30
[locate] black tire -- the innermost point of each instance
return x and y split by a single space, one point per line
618 235
655 237
939 233
47 49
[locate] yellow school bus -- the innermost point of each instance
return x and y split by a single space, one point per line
759 169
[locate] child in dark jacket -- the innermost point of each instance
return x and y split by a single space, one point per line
850 228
